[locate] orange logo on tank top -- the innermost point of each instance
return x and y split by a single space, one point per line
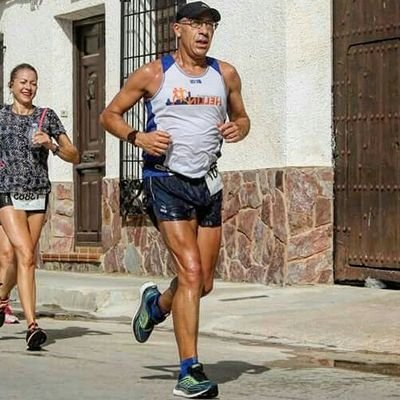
180 96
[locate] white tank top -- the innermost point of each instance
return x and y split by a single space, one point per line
189 108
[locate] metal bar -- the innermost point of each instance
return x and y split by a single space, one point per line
145 35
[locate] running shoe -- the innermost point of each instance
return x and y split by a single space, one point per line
196 385
35 337
142 323
10 318
3 306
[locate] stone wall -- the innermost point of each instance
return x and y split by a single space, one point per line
58 232
277 229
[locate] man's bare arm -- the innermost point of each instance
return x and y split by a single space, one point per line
238 126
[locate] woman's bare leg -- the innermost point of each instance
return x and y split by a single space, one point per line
36 222
8 266
17 228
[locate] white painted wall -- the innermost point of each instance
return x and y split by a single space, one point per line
253 40
113 44
43 38
308 85
281 49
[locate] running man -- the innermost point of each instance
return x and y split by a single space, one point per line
188 98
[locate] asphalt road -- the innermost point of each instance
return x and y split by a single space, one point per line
99 360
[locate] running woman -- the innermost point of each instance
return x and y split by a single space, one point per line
27 135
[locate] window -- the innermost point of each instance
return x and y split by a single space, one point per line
146 35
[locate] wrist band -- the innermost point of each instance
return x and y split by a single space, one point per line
131 138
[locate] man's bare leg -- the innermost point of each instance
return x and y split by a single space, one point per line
209 243
181 240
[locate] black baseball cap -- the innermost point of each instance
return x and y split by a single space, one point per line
197 9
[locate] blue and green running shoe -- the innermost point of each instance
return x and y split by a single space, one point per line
142 322
196 385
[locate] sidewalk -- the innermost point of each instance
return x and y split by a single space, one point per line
337 317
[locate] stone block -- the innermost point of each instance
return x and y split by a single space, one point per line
229 239
266 210
64 207
316 269
300 222
302 190
323 211
310 243
279 217
64 191
249 195
62 226
246 220
133 260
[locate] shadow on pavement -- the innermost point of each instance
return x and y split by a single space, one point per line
8 338
221 372
69 332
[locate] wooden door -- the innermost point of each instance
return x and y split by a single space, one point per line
89 102
366 126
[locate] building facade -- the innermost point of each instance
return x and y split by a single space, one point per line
278 202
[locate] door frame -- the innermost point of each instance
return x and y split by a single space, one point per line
76 112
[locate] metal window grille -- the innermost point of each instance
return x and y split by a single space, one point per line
146 35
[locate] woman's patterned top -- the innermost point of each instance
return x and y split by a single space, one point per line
23 168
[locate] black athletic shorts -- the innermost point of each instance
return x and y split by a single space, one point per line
176 198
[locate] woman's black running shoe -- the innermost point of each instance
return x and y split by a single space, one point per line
35 337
